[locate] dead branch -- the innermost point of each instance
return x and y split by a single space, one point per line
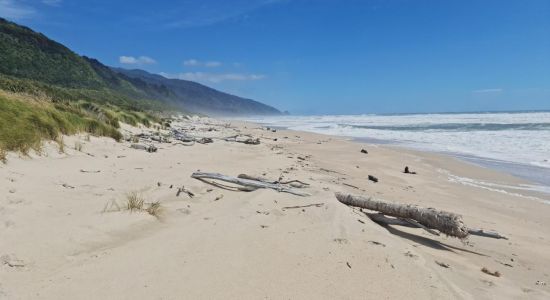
303 206
293 183
248 183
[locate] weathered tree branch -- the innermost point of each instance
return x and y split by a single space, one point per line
248 183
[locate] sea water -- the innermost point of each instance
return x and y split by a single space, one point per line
514 142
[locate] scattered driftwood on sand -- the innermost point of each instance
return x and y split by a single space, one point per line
413 216
247 184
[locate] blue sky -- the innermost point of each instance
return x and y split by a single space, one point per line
322 56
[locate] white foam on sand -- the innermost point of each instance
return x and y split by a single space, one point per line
513 190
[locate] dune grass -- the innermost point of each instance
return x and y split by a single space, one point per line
134 201
27 120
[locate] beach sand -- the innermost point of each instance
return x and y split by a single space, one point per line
63 236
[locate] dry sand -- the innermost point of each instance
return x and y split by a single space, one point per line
63 237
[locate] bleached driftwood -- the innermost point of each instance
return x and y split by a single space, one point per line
148 148
446 222
248 183
243 138
293 183
303 206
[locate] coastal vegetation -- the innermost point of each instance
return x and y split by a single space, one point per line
48 91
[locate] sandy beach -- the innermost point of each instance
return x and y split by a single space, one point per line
65 232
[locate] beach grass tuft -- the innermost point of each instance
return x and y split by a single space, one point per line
134 201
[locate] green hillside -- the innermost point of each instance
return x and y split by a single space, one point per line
48 90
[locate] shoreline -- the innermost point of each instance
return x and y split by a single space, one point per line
66 231
537 185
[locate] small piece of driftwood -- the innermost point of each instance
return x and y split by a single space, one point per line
446 222
204 140
303 206
243 138
148 148
184 190
248 183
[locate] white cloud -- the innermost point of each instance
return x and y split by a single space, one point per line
198 63
52 2
191 62
215 77
212 64
487 91
16 11
130 60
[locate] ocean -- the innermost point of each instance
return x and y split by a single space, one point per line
514 142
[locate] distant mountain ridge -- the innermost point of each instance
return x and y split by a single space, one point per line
199 98
30 62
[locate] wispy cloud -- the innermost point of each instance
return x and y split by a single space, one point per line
198 63
484 91
131 60
15 10
52 2
215 77
189 14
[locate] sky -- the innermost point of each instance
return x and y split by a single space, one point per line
321 56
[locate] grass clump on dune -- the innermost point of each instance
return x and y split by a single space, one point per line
135 202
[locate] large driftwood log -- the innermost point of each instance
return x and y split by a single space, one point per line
248 183
446 222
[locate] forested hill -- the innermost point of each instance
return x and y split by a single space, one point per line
199 98
33 61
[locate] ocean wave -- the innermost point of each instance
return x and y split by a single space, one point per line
454 127
517 138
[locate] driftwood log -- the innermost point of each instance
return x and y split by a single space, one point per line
249 184
446 222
